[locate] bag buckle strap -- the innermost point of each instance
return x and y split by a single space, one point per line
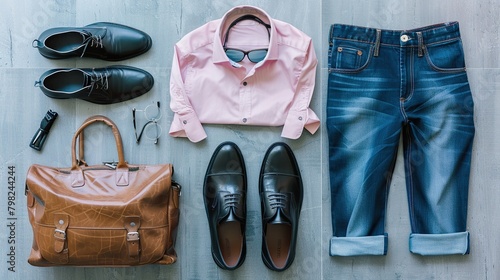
133 236
60 234
132 225
61 222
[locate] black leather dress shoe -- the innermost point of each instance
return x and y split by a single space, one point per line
281 194
100 85
224 192
104 40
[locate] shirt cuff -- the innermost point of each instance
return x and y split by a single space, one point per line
296 121
187 126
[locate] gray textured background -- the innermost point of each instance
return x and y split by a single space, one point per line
22 106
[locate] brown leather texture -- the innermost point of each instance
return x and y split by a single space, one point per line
102 215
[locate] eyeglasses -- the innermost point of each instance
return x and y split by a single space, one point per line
237 55
254 56
152 130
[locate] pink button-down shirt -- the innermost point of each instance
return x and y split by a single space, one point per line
206 87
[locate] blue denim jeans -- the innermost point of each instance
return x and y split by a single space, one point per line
383 85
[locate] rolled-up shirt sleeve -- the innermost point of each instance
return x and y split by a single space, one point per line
300 116
185 122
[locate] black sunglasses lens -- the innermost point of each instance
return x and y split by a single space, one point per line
257 55
235 55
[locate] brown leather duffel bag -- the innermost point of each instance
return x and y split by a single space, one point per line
102 215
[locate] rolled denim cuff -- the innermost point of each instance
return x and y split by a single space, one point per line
440 244
359 246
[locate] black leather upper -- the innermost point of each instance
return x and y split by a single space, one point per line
99 85
224 192
281 192
103 40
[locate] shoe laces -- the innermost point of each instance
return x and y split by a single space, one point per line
97 80
95 41
231 200
277 200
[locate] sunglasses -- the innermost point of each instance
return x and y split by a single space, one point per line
237 55
254 56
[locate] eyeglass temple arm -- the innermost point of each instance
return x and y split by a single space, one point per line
246 17
135 127
142 130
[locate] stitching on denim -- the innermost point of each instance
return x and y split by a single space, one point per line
444 41
398 45
353 40
411 77
354 71
402 110
442 70
409 179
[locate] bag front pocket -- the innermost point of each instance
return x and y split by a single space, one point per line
101 246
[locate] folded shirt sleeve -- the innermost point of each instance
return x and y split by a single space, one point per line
300 116
185 122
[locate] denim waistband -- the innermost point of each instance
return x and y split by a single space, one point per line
429 34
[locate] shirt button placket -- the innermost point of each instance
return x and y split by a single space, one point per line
246 102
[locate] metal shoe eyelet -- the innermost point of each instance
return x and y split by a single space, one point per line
36 43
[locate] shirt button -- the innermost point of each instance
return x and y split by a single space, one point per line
245 83
184 122
405 38
300 118
244 120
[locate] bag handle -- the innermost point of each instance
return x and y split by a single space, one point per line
119 145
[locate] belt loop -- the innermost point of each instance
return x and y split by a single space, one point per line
377 42
331 35
420 44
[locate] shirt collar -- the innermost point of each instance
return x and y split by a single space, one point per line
219 56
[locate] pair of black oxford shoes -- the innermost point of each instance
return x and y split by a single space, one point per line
281 195
101 40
